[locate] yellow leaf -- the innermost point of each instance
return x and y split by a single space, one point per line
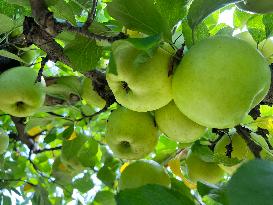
174 165
34 131
123 167
28 188
72 136
265 123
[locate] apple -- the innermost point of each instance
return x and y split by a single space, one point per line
141 82
90 95
142 172
246 36
130 134
20 95
4 142
240 150
176 125
256 6
199 170
219 80
266 47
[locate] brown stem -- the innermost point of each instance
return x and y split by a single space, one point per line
91 15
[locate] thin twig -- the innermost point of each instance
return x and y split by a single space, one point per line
17 180
47 150
91 15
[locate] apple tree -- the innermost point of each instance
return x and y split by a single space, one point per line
126 102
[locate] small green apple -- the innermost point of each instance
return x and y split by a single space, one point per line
142 172
257 6
199 170
90 95
20 95
4 142
240 150
176 125
266 47
130 134
140 84
219 80
246 36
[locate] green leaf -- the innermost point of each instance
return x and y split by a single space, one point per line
205 189
226 161
240 18
83 53
145 43
200 9
40 196
172 10
6 23
66 10
107 176
201 32
268 22
104 198
139 15
84 184
8 54
6 200
256 28
151 195
252 184
87 153
203 152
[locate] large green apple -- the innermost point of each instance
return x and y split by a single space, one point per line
240 150
142 172
4 142
130 134
219 81
176 125
20 95
257 6
90 95
142 82
246 36
199 170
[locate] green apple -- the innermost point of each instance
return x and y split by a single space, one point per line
4 142
257 6
219 81
266 47
142 82
20 95
90 95
246 36
240 150
142 172
176 125
130 134
199 170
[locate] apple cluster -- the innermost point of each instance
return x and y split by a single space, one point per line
217 83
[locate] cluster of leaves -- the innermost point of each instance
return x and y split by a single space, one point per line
70 160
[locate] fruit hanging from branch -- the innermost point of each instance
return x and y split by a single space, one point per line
20 94
219 81
141 82
142 172
130 134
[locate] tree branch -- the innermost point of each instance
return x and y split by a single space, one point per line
47 150
91 15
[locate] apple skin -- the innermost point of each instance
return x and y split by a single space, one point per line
90 95
142 172
20 95
199 170
246 36
176 125
130 134
140 86
256 6
219 81
240 151
4 142
266 47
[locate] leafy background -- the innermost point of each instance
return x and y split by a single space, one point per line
72 164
